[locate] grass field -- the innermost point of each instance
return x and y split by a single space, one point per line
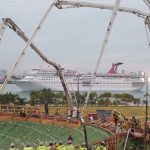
127 111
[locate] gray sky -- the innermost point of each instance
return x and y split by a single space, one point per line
73 37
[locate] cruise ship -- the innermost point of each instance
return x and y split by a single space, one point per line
48 78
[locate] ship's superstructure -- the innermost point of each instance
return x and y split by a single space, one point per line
48 78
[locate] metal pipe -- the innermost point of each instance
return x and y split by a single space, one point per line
78 4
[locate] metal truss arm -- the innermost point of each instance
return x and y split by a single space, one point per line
76 4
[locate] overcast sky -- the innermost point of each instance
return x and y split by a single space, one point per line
73 37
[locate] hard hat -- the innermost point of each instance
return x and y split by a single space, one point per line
41 144
102 142
12 144
83 144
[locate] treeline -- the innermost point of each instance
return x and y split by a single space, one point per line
47 96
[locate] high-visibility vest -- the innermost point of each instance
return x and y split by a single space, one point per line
115 115
48 148
28 148
13 149
120 117
82 148
70 147
61 147
101 148
41 148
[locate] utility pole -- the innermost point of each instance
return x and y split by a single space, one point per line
146 106
78 92
78 89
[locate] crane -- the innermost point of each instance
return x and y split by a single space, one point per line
8 22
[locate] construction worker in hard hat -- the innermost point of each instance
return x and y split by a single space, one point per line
120 118
61 146
82 147
50 146
28 147
41 146
70 145
115 116
101 146
12 147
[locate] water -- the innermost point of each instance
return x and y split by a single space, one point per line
16 90
24 94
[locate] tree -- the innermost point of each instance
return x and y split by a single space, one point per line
107 102
136 101
60 98
117 98
34 97
92 98
47 96
127 98
106 95
80 98
9 98
101 102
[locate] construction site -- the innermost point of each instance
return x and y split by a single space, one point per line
29 124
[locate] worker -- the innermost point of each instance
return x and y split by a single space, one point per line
28 147
61 147
101 146
13 147
120 118
115 116
133 123
70 145
22 113
54 146
70 138
83 147
50 146
41 146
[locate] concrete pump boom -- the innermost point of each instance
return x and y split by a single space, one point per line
70 102
60 4
76 4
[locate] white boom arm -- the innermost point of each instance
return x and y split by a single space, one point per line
76 4
8 22
60 4
147 2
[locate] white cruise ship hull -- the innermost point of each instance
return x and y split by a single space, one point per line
42 78
97 87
